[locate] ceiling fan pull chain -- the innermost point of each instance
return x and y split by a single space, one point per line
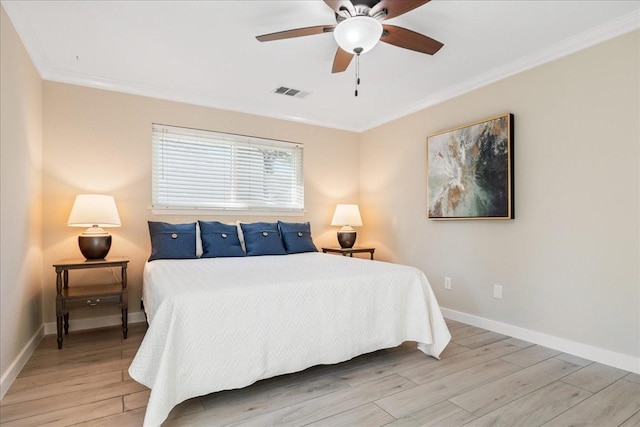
357 73
358 51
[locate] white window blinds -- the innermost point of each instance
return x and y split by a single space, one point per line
197 169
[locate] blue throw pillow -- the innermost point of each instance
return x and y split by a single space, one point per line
262 238
172 241
297 237
219 240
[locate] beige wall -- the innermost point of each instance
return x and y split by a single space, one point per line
20 197
569 262
100 141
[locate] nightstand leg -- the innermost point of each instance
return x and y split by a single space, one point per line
59 325
125 321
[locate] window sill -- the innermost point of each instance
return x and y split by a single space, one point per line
224 212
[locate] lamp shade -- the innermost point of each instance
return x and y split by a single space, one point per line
347 215
358 32
94 209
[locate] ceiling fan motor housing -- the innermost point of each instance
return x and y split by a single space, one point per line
360 10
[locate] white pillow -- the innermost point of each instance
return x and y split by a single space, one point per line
198 241
241 236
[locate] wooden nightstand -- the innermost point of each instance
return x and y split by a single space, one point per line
67 299
349 251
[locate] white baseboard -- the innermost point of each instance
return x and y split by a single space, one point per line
50 328
607 357
14 369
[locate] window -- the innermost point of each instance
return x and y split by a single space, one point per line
198 169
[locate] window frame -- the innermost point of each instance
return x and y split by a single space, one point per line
235 143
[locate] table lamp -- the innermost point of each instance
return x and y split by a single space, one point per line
94 211
347 216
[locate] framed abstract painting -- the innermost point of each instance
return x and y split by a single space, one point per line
470 171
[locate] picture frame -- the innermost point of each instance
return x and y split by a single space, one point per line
470 171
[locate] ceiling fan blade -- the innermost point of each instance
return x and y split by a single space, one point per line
298 32
396 7
408 39
341 61
338 5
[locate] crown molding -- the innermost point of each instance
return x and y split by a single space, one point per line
98 82
29 39
599 34
602 33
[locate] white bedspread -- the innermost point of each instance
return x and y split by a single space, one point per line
224 323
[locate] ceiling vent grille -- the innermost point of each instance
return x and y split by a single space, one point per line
295 93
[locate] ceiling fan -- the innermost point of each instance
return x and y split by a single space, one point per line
359 27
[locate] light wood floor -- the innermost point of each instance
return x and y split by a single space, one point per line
483 379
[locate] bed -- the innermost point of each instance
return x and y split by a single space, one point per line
224 323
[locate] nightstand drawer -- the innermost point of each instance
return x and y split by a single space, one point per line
91 301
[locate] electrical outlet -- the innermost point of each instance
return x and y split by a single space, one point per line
497 291
447 283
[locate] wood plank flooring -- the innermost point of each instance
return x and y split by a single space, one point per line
482 379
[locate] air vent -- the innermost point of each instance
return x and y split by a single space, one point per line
295 93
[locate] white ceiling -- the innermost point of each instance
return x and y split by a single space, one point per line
205 52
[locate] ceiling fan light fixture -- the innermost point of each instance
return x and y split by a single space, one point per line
361 32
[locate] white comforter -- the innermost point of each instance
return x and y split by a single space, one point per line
224 323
